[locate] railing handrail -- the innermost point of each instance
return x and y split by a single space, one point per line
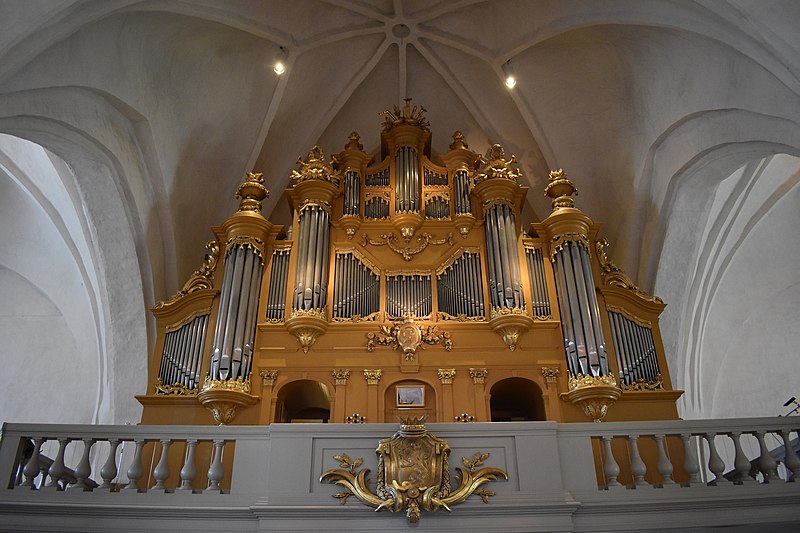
131 432
675 427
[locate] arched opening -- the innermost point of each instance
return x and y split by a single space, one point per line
303 401
409 398
516 400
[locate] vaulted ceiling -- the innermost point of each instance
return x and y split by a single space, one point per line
159 107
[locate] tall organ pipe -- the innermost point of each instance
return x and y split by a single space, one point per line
223 310
313 259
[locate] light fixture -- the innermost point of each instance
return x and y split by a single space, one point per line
280 60
508 71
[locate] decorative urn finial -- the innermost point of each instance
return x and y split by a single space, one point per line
252 192
560 189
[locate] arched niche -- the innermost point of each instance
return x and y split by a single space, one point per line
402 399
516 400
303 401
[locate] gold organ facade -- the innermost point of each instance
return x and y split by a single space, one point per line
407 287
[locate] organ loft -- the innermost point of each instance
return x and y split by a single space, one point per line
408 285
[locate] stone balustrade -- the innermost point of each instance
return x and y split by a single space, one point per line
562 477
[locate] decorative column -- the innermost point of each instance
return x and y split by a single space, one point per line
478 376
373 377
268 378
353 161
500 194
459 160
316 187
247 235
340 375
591 383
446 376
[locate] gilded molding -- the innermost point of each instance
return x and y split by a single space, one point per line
251 192
268 377
341 375
493 165
614 276
176 389
627 314
488 204
551 374
315 168
478 375
392 241
246 241
373 376
187 319
314 202
446 375
559 241
202 278
372 317
460 318
429 194
236 385
315 313
413 474
594 394
580 381
506 311
642 384
406 115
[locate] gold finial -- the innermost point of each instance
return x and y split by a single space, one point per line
494 165
412 424
407 115
316 168
458 141
560 189
252 192
352 142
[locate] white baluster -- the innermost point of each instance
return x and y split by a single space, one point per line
31 470
610 466
741 463
161 472
690 463
638 468
215 471
188 471
109 470
664 465
135 471
715 462
57 469
792 461
84 470
766 464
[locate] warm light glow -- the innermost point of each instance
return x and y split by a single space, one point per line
508 71
279 68
511 81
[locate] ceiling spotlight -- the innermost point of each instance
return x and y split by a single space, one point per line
280 60
510 77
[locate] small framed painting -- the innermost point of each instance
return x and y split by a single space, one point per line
410 395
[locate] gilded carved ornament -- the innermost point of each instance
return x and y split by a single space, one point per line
187 319
458 141
246 241
315 168
355 418
251 192
407 115
224 396
446 375
560 189
373 376
413 474
642 384
464 417
392 241
238 385
559 241
352 142
594 394
506 311
493 165
615 277
341 375
268 377
177 389
550 374
408 336
202 278
478 375
460 317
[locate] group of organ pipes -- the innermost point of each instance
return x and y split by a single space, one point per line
272 306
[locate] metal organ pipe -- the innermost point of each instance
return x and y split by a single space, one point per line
224 302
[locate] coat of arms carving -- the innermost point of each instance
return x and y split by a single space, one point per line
413 474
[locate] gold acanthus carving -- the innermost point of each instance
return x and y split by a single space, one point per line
594 394
627 314
460 318
488 204
202 278
237 385
408 336
559 241
252 192
268 377
506 311
245 241
177 389
446 375
341 375
407 115
560 189
550 374
373 376
393 242
478 375
186 320
615 277
493 165
642 384
372 317
413 474
315 168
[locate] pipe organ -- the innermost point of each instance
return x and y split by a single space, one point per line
407 286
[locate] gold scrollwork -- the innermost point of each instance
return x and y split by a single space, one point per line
246 241
642 384
559 241
202 278
614 276
312 202
488 204
187 319
446 375
413 474
406 115
443 195
630 316
493 165
238 385
176 389
316 313
373 376
315 168
505 311
478 375
341 375
372 317
460 317
392 241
